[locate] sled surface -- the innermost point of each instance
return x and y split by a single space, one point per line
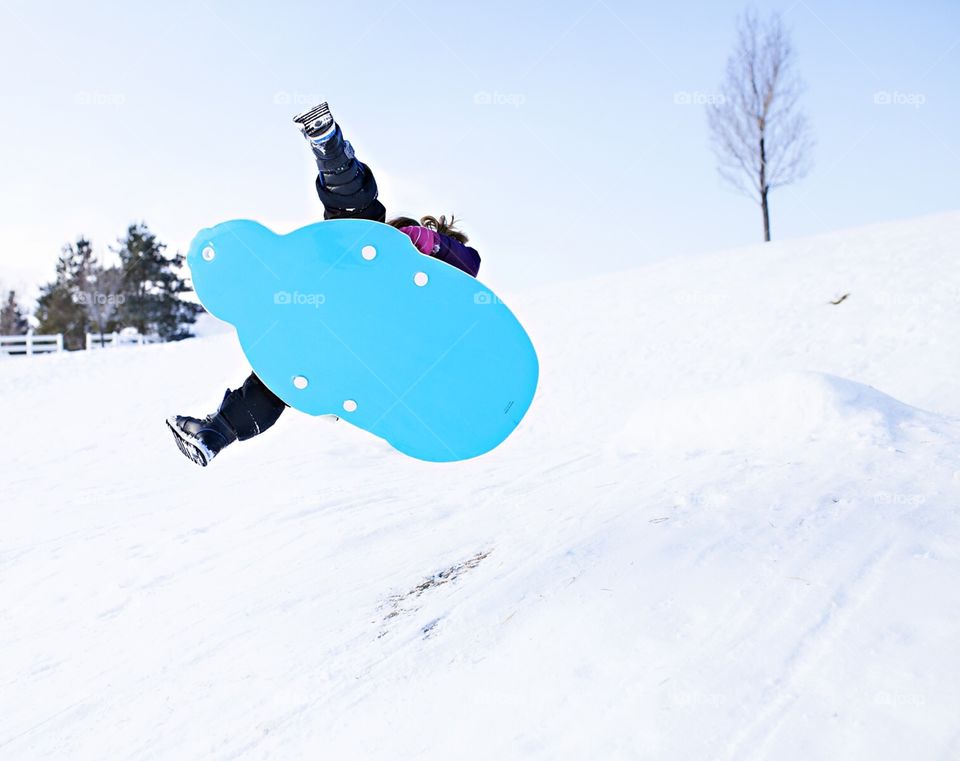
346 317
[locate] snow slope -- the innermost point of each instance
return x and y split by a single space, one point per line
728 529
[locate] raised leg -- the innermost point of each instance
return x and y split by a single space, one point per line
346 186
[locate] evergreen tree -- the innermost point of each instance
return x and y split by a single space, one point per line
152 287
60 308
13 322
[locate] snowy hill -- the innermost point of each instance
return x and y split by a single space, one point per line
728 529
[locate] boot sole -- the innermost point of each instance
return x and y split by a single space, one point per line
189 448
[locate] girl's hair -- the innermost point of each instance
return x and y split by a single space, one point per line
441 225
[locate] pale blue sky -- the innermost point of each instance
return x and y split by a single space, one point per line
178 114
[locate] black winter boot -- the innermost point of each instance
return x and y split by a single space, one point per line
201 440
339 169
244 413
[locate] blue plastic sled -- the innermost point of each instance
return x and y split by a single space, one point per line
346 317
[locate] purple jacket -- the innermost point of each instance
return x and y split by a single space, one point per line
444 248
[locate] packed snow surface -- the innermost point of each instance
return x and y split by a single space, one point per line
727 529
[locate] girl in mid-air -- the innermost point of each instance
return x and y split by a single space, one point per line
347 188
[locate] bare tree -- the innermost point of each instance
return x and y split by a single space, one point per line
760 138
102 295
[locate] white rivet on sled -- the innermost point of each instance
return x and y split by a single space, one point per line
420 278
300 381
208 253
350 406
368 252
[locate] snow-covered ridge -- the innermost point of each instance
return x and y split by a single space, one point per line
782 411
727 529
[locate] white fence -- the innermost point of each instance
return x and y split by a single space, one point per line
31 344
122 338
